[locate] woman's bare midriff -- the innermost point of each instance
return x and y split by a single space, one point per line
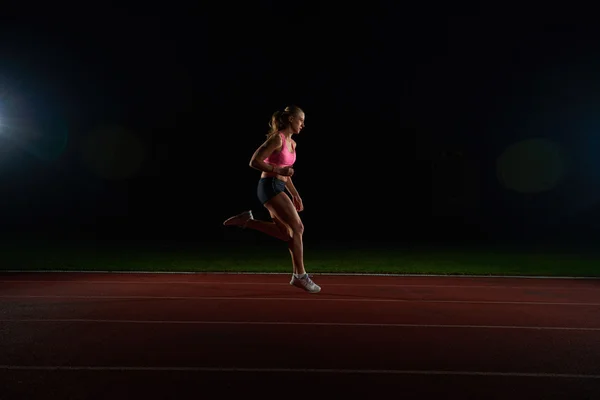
270 174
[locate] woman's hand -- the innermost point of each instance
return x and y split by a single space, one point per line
298 203
286 171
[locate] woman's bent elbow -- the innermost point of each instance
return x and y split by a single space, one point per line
254 164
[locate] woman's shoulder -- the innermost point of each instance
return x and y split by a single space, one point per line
274 140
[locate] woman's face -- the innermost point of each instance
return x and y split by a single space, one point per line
297 122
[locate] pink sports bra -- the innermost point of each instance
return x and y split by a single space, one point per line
283 157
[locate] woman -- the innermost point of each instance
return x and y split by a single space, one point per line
276 191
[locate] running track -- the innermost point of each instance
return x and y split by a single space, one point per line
173 336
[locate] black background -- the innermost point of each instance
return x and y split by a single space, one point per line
407 108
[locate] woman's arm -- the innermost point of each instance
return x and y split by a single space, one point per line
264 151
296 199
290 187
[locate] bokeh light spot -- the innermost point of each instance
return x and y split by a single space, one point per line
531 166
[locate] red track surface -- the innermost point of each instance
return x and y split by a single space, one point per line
125 336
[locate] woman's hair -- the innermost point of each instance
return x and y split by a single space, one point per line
280 119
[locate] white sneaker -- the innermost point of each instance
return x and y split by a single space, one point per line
305 283
240 219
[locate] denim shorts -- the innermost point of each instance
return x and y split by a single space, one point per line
269 187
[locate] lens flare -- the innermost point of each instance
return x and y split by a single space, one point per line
531 166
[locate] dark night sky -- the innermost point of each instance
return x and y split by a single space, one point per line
140 122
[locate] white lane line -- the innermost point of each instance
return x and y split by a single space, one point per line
216 283
291 323
298 370
141 272
308 297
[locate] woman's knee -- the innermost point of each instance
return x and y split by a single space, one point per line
287 233
286 214
297 227
285 229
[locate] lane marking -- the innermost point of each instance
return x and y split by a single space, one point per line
291 323
286 284
298 370
308 297
489 276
